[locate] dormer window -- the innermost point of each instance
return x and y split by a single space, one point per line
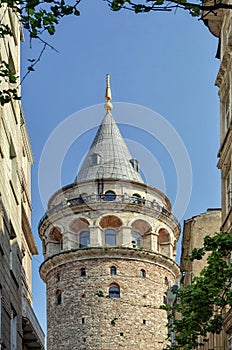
95 159
135 164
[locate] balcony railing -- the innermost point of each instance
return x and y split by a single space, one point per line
111 201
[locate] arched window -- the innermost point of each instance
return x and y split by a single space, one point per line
110 221
164 236
113 270
136 198
55 235
137 239
114 291
110 237
110 196
55 240
142 273
83 271
84 239
59 297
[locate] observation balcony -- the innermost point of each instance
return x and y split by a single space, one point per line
112 202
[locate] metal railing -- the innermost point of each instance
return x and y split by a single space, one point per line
110 200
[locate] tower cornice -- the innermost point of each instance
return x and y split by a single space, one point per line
111 253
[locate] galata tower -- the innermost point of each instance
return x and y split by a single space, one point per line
109 245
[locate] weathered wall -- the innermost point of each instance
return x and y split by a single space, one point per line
195 229
86 321
194 232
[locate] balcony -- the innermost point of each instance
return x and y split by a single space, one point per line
112 202
33 336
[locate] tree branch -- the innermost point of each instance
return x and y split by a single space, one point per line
143 6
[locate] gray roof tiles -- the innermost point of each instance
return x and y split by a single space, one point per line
108 156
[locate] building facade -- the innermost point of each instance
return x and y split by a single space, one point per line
194 231
220 26
109 244
19 328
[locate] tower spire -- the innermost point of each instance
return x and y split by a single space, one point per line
108 105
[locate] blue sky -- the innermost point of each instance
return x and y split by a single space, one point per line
162 61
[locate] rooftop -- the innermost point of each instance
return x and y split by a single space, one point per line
109 157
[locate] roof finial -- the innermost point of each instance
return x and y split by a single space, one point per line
108 106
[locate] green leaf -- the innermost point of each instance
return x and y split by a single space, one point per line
76 12
51 30
159 2
196 303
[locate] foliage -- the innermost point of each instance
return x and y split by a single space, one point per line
202 306
7 73
100 294
39 17
196 9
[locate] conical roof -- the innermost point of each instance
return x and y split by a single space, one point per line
108 157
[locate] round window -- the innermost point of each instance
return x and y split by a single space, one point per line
110 196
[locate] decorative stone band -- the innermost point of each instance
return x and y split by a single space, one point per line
84 254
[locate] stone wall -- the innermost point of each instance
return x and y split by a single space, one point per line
80 319
194 232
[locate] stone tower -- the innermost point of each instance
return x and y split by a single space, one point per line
109 243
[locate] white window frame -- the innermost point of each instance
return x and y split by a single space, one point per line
227 112
228 191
